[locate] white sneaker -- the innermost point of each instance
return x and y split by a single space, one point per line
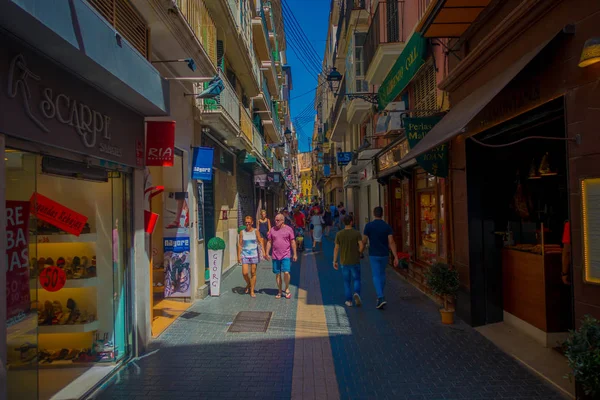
348 303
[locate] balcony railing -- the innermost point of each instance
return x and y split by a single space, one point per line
350 6
339 101
386 27
226 102
246 124
277 167
201 23
265 90
258 142
243 20
275 119
126 20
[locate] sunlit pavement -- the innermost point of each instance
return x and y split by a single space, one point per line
317 348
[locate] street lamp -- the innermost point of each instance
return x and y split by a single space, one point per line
288 135
334 77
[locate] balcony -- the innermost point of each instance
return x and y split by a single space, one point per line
258 144
223 114
247 127
236 24
273 127
352 17
277 167
385 40
357 107
262 102
339 122
262 43
268 69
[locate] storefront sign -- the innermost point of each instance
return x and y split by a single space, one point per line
590 197
344 158
177 266
392 156
215 262
273 178
202 163
17 256
435 161
160 143
51 106
403 70
351 180
260 180
57 215
52 278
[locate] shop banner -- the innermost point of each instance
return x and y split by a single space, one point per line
160 143
17 251
177 266
435 161
403 70
57 215
202 163
344 158
176 215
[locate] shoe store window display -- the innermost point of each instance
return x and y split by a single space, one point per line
73 304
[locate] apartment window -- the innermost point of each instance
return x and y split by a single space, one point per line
355 64
425 90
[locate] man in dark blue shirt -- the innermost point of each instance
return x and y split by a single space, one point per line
380 237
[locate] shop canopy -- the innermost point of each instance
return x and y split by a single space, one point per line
450 18
455 122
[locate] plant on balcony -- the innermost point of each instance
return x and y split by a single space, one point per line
582 350
443 281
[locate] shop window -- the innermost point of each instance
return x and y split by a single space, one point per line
430 218
68 305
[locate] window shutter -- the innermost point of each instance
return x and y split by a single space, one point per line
220 54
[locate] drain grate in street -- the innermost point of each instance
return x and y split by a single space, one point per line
250 321
190 314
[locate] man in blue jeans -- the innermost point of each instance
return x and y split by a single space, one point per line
348 243
380 237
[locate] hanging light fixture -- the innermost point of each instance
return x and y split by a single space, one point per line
590 53
334 77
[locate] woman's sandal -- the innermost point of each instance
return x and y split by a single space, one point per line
278 295
288 295
253 295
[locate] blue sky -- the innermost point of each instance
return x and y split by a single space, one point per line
313 17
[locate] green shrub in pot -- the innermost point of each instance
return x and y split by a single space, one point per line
582 349
443 281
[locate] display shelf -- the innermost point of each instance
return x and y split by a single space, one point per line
49 239
55 364
76 328
158 289
70 284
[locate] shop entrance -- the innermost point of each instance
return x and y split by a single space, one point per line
518 205
69 312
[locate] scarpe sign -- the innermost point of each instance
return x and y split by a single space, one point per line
57 215
202 163
160 143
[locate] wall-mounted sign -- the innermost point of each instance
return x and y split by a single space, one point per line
202 163
49 105
590 198
435 161
351 180
17 255
57 215
344 158
160 143
403 70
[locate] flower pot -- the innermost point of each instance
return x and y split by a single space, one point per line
447 317
215 264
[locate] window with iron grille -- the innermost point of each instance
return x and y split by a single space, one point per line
425 90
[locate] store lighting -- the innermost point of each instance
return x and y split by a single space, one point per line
590 53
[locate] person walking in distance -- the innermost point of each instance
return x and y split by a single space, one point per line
317 229
264 224
248 242
349 245
281 240
380 237
300 223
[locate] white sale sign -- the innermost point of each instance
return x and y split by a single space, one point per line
215 261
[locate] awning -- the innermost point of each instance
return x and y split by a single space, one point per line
455 122
450 18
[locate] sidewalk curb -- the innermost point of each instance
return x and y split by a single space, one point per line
203 291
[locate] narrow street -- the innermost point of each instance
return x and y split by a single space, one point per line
316 348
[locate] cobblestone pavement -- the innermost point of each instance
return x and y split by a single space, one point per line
316 348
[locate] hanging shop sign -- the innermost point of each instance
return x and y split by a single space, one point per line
326 170
403 70
202 163
17 254
273 178
344 158
160 143
392 156
351 180
590 198
51 106
260 180
435 161
57 215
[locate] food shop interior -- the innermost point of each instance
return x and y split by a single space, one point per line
518 208
68 324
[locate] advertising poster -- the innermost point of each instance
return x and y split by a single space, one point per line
17 251
176 244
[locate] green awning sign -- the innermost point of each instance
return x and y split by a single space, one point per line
403 70
435 161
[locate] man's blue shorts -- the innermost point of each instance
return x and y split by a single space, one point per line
280 266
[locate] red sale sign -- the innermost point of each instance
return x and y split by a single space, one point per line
53 278
17 252
58 215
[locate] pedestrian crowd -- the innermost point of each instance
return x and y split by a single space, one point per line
281 242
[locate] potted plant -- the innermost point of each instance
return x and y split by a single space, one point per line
443 281
582 350
216 246
404 259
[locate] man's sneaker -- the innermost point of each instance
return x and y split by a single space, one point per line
381 303
348 303
357 300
